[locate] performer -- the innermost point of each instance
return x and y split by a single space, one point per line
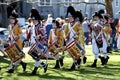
98 39
118 35
29 32
57 34
77 27
107 31
72 32
15 34
39 37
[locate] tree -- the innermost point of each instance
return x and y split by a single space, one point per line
4 5
108 5
4 14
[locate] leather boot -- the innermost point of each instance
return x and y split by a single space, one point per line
34 71
78 62
72 67
106 60
84 59
61 61
102 60
23 65
57 64
94 64
10 71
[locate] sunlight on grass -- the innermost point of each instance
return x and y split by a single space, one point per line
109 72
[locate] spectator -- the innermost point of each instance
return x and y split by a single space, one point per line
85 24
48 25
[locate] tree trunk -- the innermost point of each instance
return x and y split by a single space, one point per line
4 20
109 7
4 15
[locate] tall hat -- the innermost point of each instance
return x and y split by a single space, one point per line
99 13
70 11
35 14
79 16
14 14
106 17
9 10
95 14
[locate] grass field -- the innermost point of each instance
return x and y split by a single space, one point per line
109 72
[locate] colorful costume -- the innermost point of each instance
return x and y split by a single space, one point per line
99 43
15 34
73 36
118 35
40 39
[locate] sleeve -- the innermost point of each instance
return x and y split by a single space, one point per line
19 31
66 30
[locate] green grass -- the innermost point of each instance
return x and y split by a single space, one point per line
109 72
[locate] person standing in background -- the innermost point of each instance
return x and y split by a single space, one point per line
48 25
86 30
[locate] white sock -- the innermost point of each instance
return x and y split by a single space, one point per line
105 55
38 63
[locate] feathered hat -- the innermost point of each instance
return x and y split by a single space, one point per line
106 17
70 11
14 14
99 13
9 10
79 16
35 14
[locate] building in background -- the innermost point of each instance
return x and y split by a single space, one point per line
46 7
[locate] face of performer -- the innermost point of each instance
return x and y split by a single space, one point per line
12 20
105 21
110 20
54 25
96 18
70 18
35 21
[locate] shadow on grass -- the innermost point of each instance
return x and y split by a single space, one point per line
4 60
46 76
95 71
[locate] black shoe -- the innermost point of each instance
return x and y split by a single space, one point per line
10 71
45 69
61 62
34 71
0 68
102 60
23 65
94 64
57 66
79 63
84 59
72 67
106 60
